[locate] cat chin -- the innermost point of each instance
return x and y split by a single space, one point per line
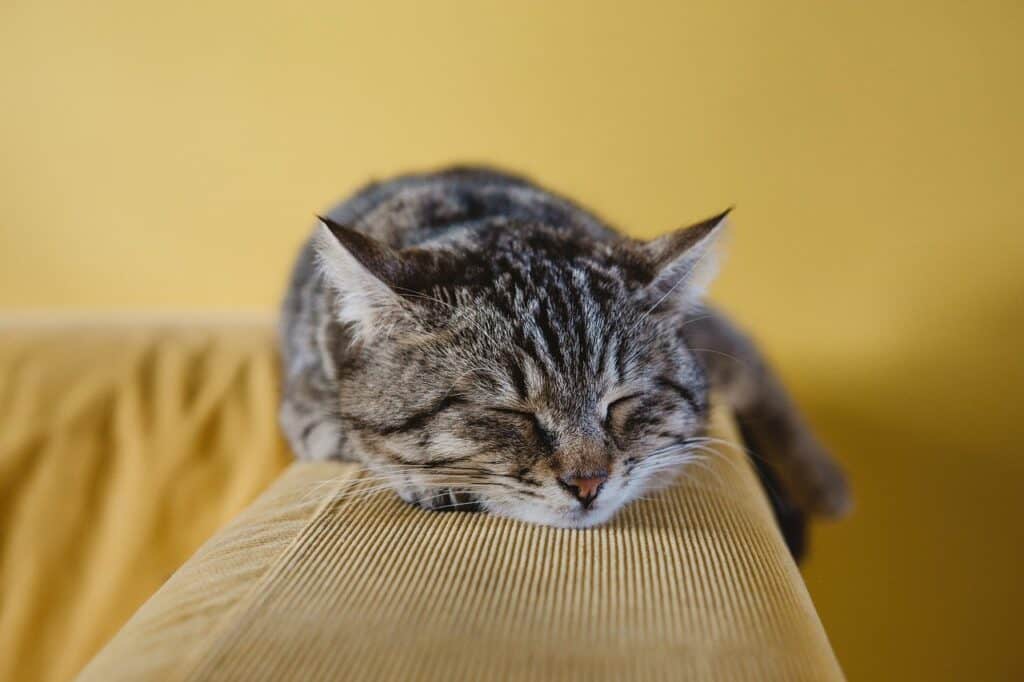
558 518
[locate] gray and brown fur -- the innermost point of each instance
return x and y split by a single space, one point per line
475 340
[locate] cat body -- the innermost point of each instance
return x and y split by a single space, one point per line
478 342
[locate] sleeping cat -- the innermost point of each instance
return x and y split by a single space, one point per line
478 342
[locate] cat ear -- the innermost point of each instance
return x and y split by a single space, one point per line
684 262
363 272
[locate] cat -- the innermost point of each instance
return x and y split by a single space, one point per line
481 343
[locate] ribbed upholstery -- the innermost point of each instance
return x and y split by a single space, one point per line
326 578
125 444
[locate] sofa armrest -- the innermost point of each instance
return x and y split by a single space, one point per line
126 441
326 578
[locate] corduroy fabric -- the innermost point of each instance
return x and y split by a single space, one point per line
326 578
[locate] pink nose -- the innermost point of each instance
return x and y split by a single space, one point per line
584 488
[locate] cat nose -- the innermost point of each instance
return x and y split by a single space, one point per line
584 488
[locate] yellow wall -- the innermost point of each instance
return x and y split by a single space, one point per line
172 156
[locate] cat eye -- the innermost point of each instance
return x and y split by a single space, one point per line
616 405
542 433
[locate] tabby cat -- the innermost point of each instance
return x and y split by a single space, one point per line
478 342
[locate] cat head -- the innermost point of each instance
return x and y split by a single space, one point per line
520 368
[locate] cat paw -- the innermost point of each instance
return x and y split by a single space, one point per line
441 499
821 487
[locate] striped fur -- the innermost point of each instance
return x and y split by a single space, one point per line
472 338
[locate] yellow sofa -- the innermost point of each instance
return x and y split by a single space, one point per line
125 445
170 156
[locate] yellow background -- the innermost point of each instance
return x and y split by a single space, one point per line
171 156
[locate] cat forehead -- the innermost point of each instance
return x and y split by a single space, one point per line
501 248
565 337
554 305
526 281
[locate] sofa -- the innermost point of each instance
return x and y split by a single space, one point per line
153 526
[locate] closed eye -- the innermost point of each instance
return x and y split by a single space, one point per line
688 396
616 404
542 433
